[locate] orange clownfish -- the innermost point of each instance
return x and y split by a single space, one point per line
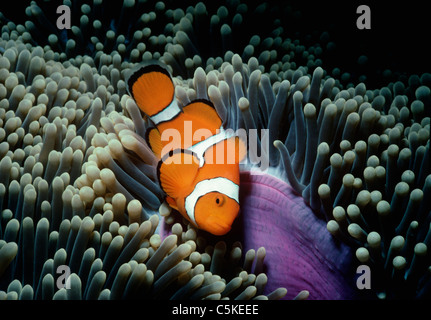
197 172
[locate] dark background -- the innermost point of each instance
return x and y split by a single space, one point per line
399 39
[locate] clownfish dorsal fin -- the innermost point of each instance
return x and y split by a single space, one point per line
152 88
155 141
202 112
176 172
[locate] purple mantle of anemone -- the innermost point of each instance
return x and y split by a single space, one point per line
300 253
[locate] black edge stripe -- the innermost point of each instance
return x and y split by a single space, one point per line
147 135
158 173
142 70
175 151
207 102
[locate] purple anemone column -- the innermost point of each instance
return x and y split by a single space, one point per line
300 253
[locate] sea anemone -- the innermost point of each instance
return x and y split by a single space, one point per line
348 167
54 122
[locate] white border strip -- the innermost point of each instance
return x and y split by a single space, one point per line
167 113
200 147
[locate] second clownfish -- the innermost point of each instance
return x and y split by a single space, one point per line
199 175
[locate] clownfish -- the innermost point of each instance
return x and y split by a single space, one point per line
198 174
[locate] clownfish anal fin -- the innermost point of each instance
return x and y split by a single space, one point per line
154 139
176 171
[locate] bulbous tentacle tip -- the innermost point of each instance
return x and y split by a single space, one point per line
277 144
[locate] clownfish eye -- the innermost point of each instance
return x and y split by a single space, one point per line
219 200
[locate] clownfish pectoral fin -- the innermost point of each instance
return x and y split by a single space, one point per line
229 151
172 203
155 141
152 88
176 172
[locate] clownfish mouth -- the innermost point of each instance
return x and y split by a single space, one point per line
219 227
